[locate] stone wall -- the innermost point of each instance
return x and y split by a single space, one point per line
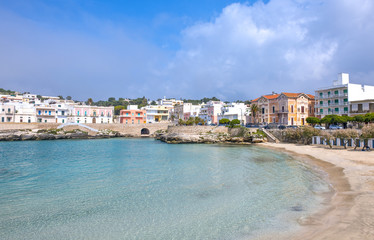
195 130
134 130
19 126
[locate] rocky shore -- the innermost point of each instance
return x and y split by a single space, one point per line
234 136
55 134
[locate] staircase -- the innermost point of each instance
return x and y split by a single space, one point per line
77 124
271 137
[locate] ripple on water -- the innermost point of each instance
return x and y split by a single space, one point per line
144 189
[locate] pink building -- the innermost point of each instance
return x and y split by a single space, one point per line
93 114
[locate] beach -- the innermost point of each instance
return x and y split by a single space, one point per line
349 213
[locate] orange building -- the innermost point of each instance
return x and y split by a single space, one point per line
133 116
284 108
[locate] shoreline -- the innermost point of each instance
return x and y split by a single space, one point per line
349 212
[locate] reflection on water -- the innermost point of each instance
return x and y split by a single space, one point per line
145 189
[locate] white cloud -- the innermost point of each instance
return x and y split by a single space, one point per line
285 45
246 51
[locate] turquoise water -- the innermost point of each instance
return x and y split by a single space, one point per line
145 189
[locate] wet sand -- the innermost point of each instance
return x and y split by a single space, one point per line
349 213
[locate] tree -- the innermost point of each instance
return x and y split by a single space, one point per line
359 118
111 99
89 101
39 97
313 120
327 137
224 121
153 103
254 110
68 98
61 97
181 122
234 122
369 117
117 109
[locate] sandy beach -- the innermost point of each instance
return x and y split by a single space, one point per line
350 211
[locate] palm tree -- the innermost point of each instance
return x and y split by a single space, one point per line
89 101
254 110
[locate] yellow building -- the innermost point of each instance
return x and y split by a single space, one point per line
284 108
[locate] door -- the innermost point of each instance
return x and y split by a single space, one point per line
291 121
94 120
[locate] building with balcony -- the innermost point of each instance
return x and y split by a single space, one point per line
283 108
133 115
209 111
157 113
234 111
186 110
7 113
45 114
343 98
92 114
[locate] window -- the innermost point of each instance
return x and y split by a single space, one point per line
45 120
328 94
45 112
63 113
302 109
40 112
8 110
321 102
292 108
336 101
321 111
2 119
263 110
132 121
127 114
345 91
95 113
329 102
336 92
133 114
78 114
345 109
138 121
282 108
50 112
138 114
320 94
337 110
329 110
63 120
345 100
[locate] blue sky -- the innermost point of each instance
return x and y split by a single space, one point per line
190 49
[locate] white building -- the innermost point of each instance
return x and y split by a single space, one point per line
209 111
7 112
64 112
234 111
343 98
186 110
25 113
157 113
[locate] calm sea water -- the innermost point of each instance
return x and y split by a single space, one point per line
145 189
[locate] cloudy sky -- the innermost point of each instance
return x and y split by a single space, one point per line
186 48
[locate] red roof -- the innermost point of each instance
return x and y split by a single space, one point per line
291 95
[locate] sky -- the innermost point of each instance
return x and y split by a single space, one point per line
183 49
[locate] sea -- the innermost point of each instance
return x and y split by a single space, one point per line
127 188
